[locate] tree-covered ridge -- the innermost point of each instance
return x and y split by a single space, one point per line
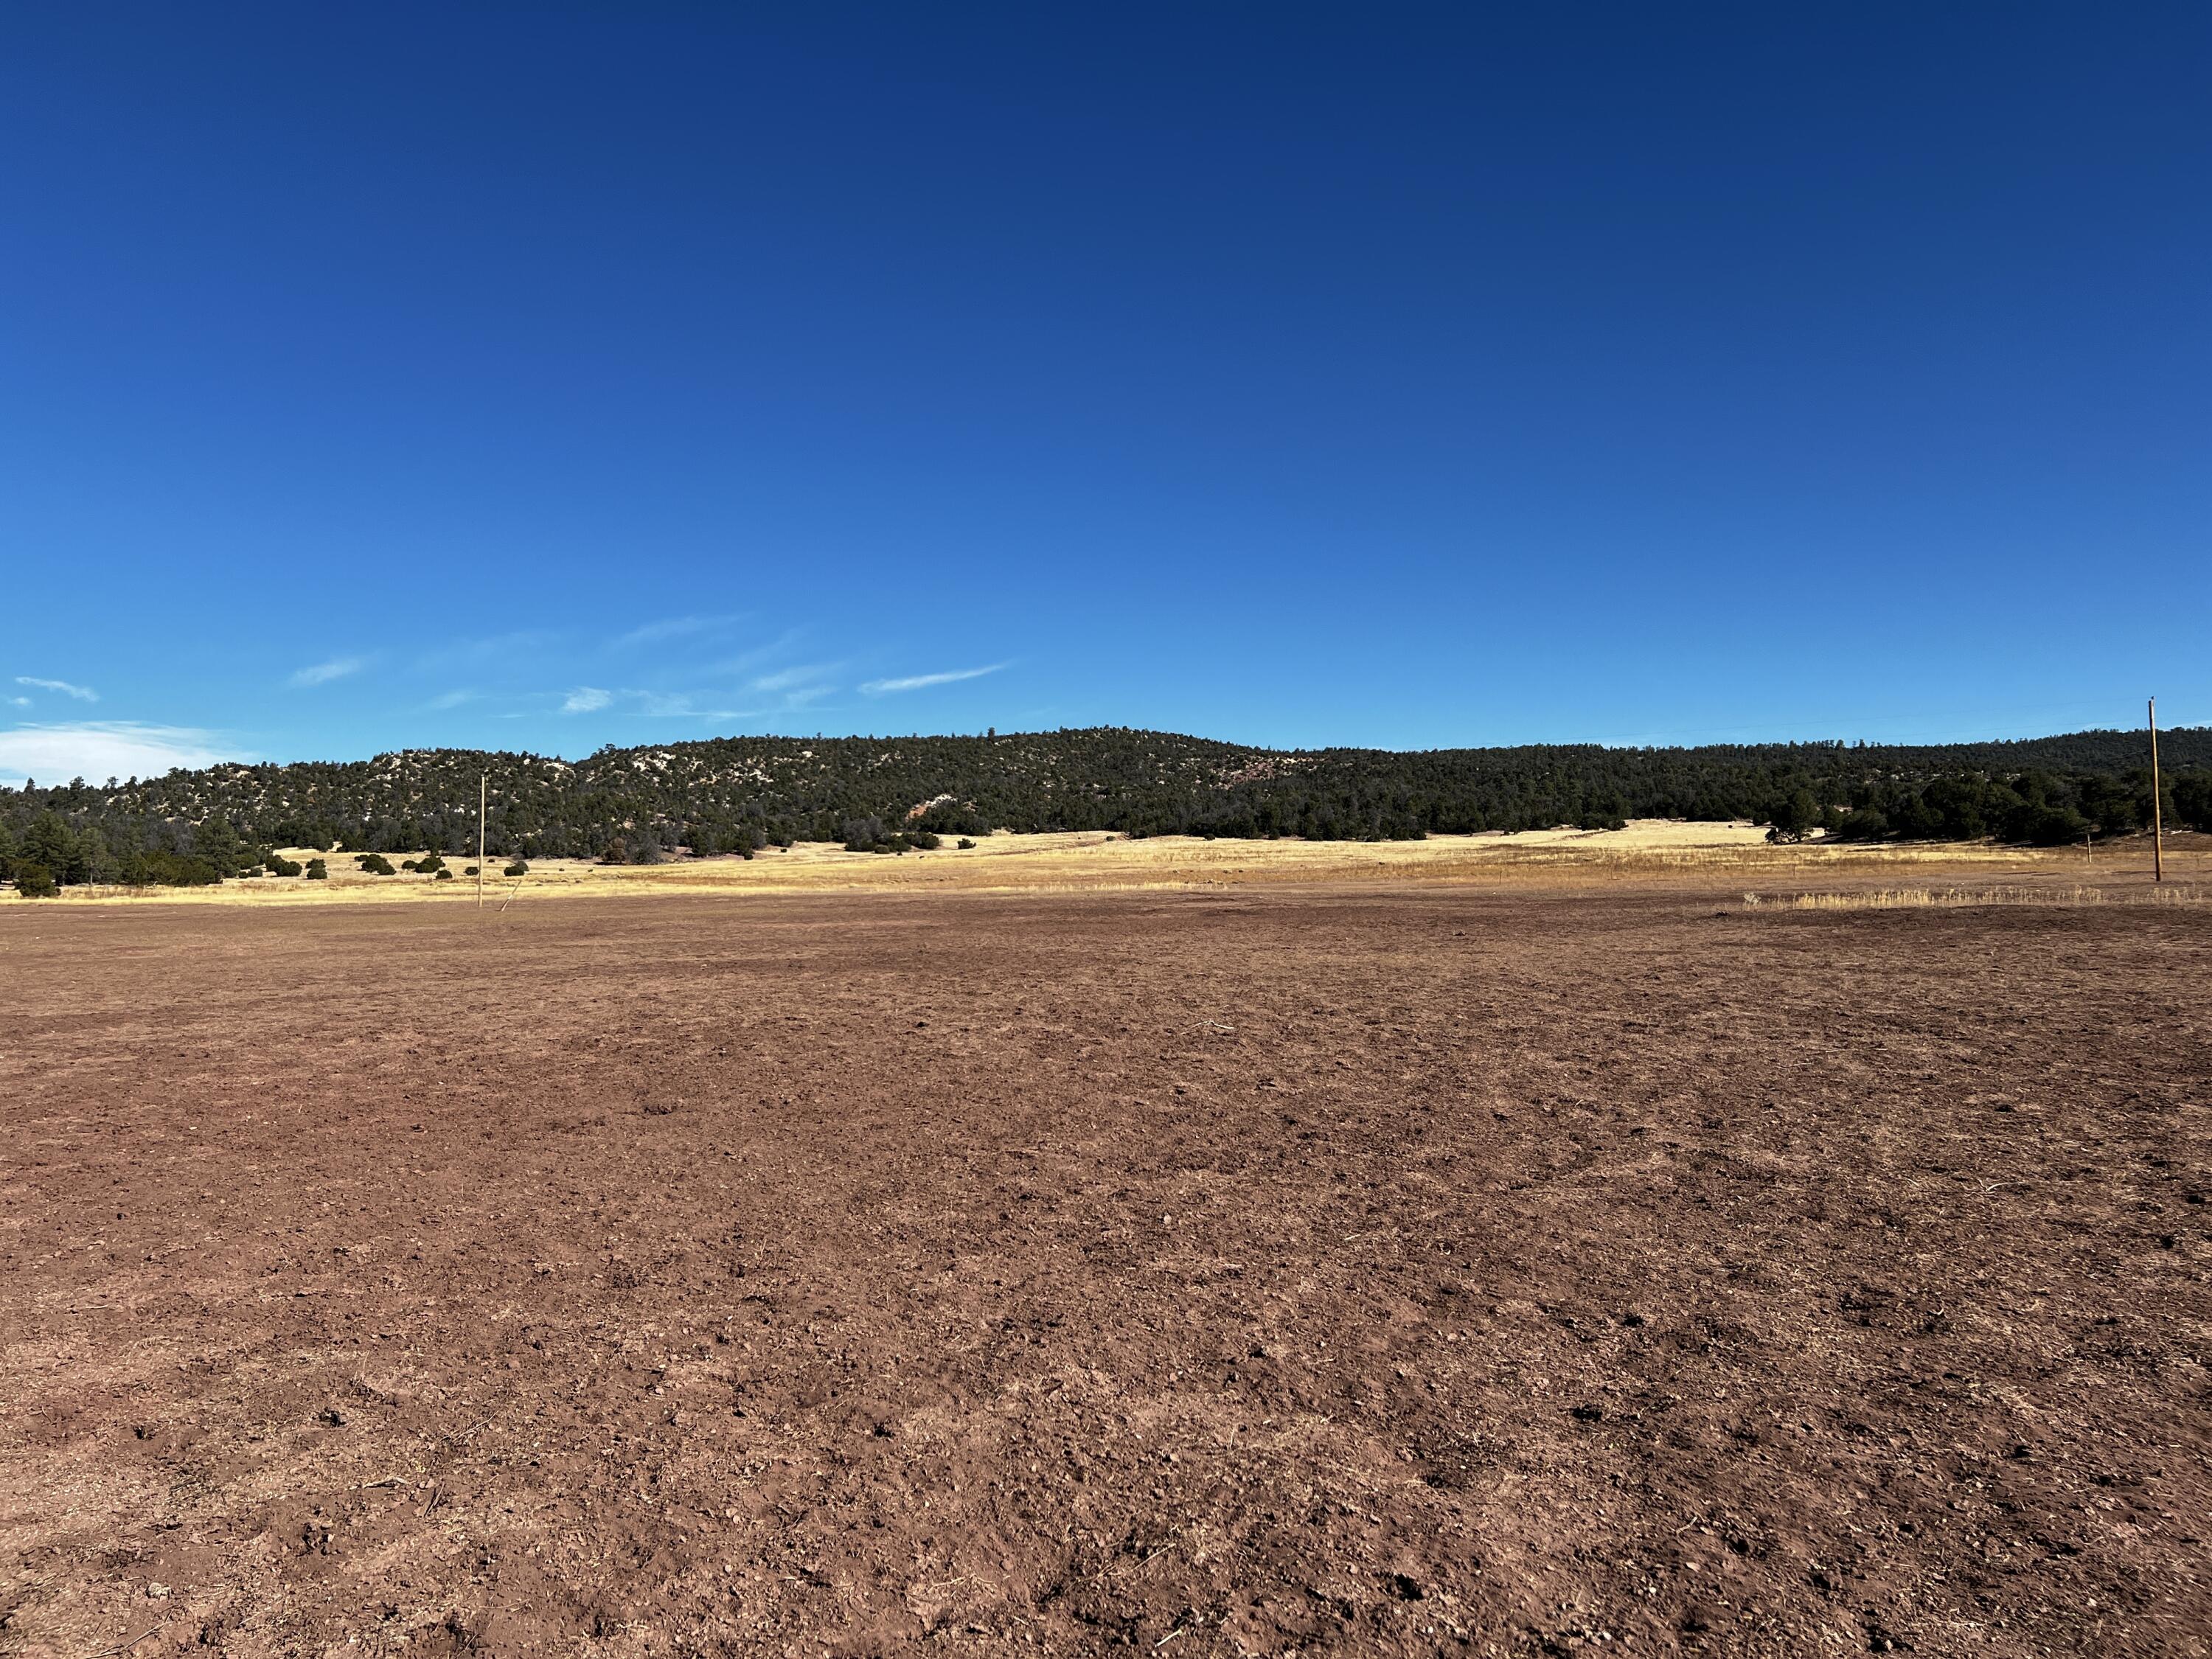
737 794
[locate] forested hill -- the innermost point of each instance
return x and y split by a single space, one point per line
731 794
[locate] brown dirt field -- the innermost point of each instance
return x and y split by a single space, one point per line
1373 1270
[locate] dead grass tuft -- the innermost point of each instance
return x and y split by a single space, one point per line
1959 898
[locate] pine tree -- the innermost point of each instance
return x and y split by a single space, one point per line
50 844
219 844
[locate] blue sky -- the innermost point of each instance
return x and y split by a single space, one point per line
1409 375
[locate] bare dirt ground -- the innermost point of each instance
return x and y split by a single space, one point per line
1374 1270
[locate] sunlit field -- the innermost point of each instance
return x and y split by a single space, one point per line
1649 852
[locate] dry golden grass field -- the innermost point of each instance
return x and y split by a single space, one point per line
1649 853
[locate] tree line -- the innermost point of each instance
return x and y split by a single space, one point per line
738 796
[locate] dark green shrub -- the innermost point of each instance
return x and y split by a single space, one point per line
966 845
1795 817
445 875
471 871
407 863
2046 826
707 839
1863 823
2114 804
2193 799
318 870
1914 819
955 818
280 866
432 865
517 868
867 835
166 870
36 881
1957 804
375 864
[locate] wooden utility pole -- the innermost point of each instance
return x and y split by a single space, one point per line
483 795
2157 815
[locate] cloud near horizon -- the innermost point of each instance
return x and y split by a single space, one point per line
585 699
918 682
97 749
81 693
323 673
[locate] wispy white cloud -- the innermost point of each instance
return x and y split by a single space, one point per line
634 701
919 682
451 700
81 693
21 702
674 628
104 749
472 655
653 705
323 673
790 679
789 640
682 706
